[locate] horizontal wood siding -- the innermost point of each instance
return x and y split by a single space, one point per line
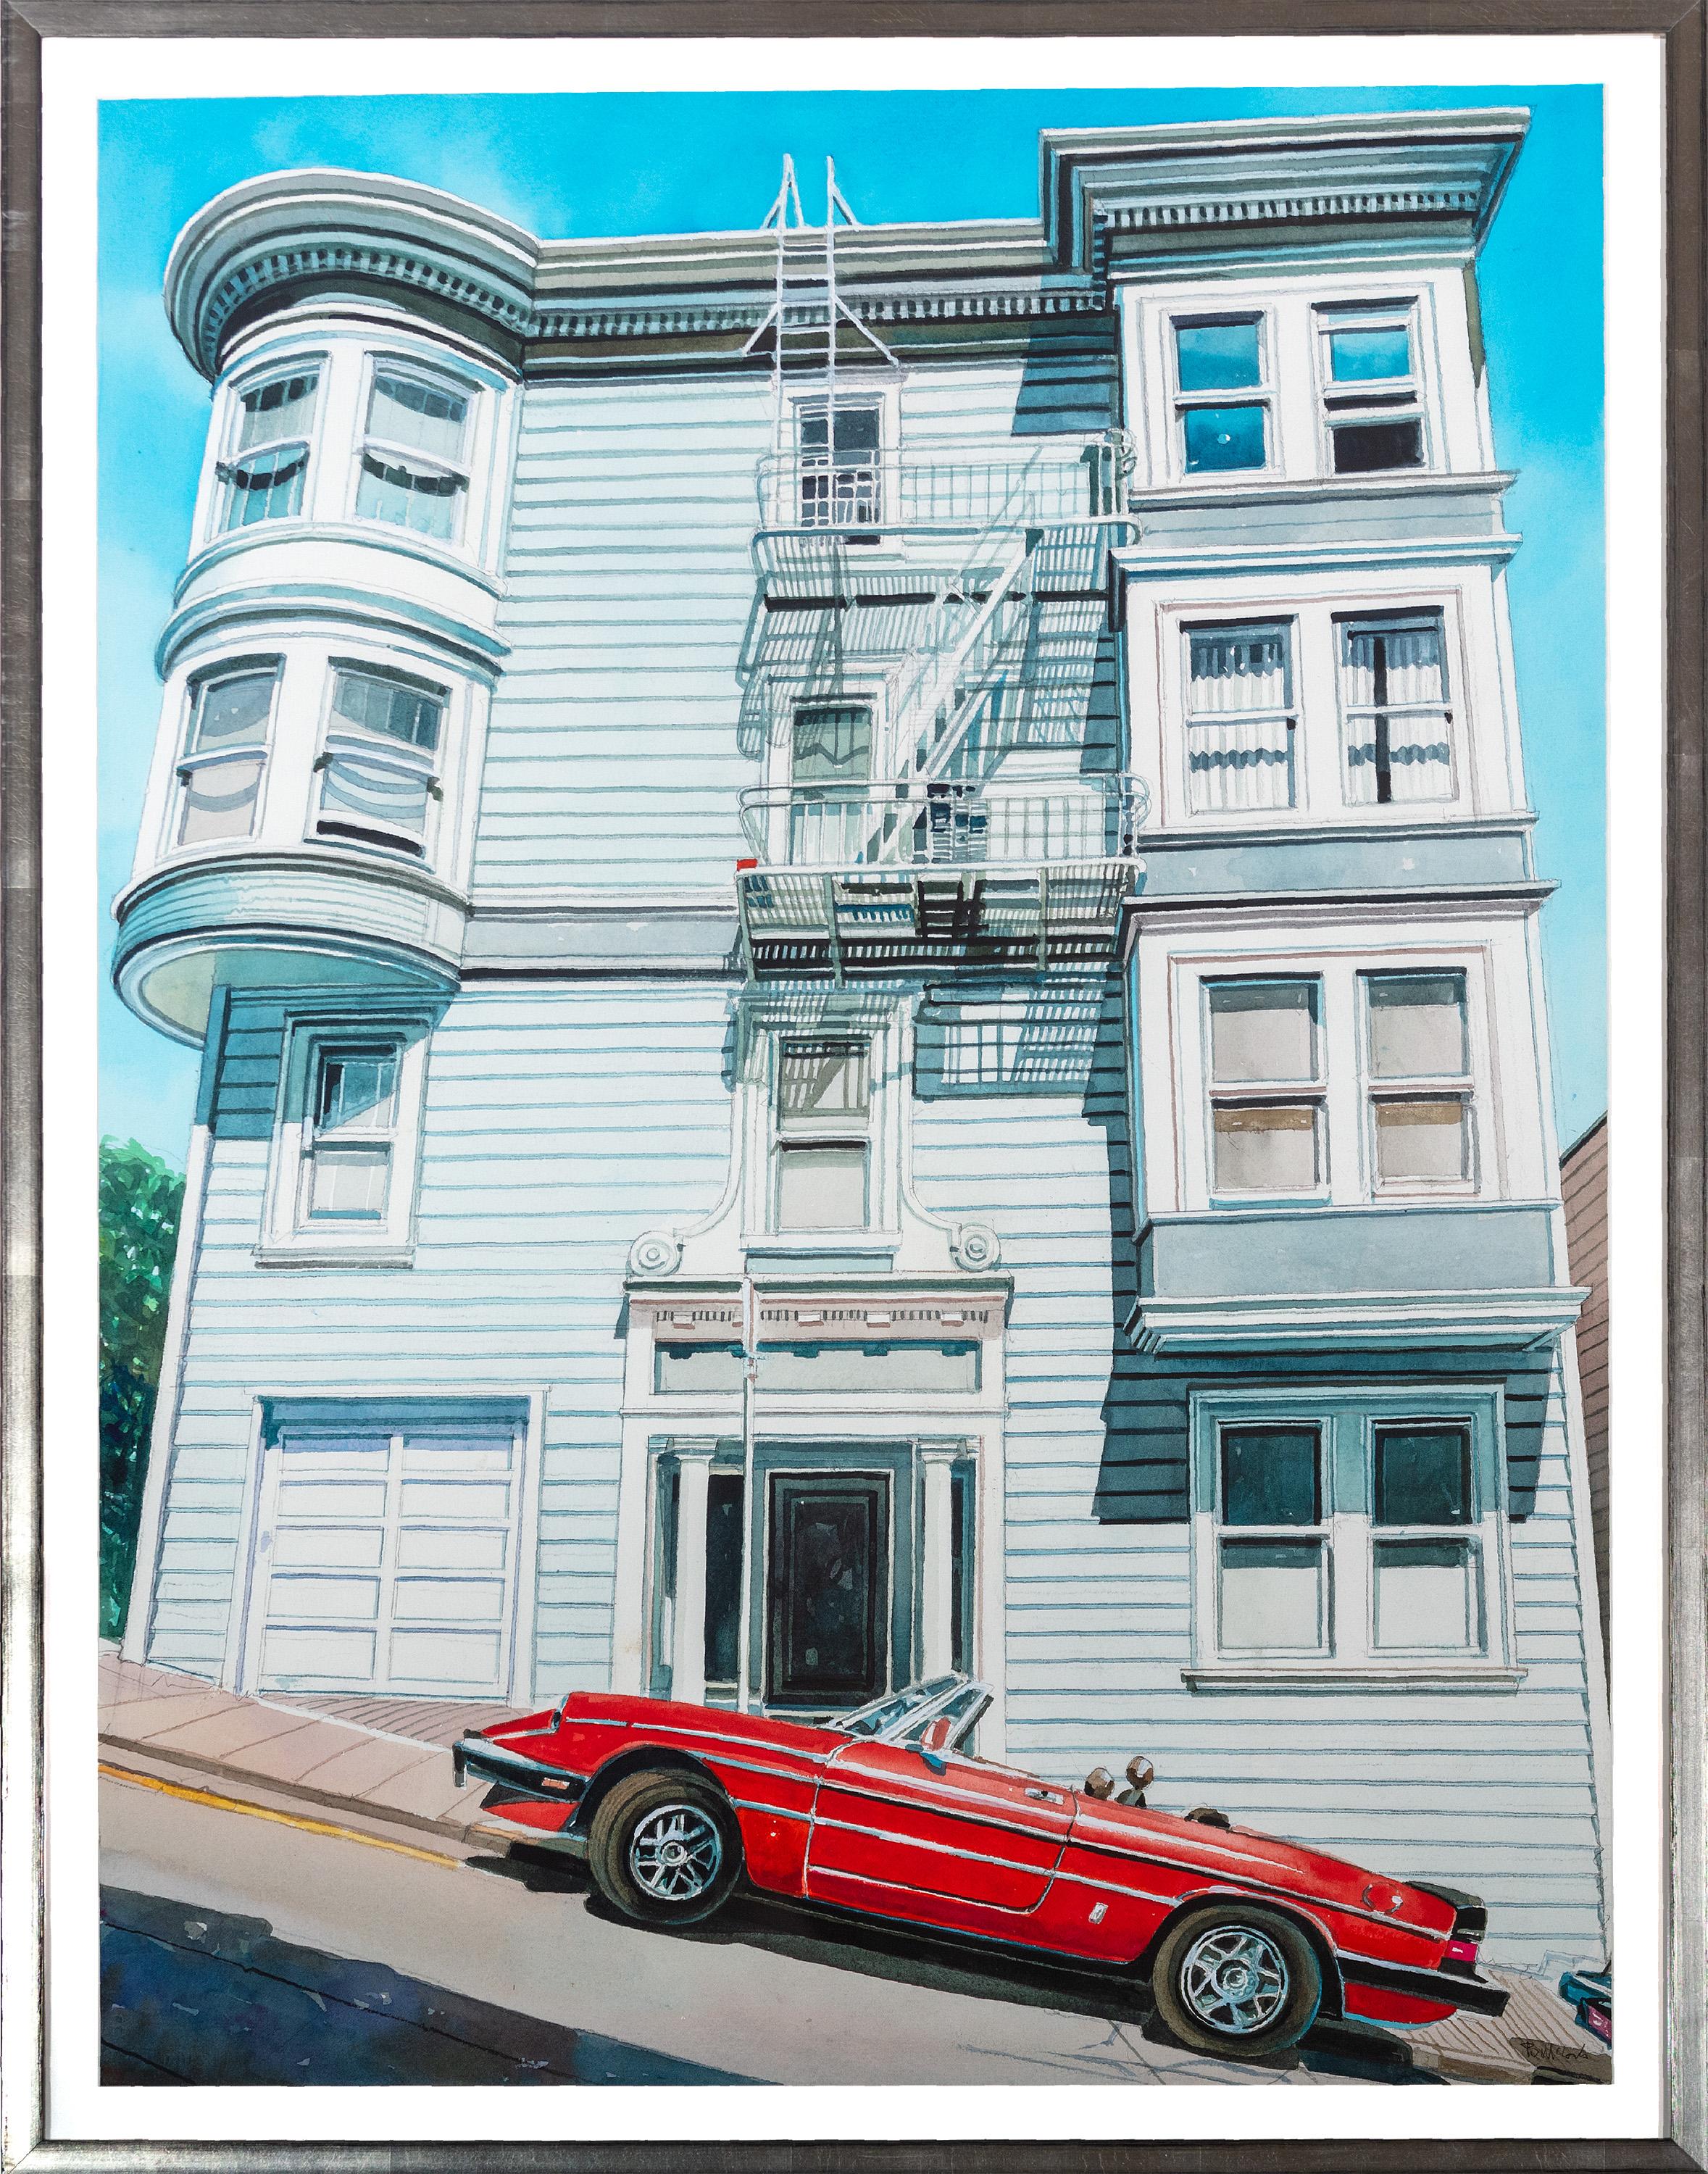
618 739
1583 1185
559 1124
1489 1790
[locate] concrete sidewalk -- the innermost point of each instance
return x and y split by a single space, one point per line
380 1764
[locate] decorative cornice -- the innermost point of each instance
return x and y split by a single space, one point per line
278 606
1280 210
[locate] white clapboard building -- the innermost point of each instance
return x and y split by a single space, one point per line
860 907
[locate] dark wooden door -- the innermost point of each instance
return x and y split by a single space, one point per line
828 1603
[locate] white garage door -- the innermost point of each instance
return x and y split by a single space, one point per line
387 1561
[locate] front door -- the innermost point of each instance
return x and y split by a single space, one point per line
828 1588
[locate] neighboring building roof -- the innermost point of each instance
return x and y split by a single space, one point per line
1119 196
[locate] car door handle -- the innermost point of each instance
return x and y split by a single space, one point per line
1046 1796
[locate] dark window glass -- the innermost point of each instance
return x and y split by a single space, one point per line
1270 1476
722 1575
1212 356
1361 448
1226 438
856 430
1422 1476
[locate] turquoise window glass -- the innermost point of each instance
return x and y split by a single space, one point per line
1214 358
1218 438
1370 351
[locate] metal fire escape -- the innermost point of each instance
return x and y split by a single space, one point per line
947 855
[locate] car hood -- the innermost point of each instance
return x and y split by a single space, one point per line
1247 1855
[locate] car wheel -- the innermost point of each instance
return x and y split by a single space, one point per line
1237 1981
664 1848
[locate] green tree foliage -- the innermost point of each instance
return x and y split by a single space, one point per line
141 1202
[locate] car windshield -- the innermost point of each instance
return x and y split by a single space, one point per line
884 1714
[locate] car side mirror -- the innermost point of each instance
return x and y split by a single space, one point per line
933 1743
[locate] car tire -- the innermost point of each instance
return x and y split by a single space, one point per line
664 1848
1236 1980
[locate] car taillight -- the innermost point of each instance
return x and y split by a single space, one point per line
1462 1951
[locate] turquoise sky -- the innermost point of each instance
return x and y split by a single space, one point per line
652 163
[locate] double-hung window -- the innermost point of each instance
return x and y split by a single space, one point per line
1241 720
1398 725
224 755
1222 397
823 1145
264 475
1418 1083
379 767
831 810
841 453
1348 1526
413 469
1268 1090
1372 399
349 1135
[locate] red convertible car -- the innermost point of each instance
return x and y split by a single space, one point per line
1245 1939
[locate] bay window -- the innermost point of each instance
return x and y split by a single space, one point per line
220 777
264 474
412 464
379 765
1348 1527
1266 1087
822 1147
1241 720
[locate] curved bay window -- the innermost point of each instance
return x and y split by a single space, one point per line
379 766
412 464
265 476
224 755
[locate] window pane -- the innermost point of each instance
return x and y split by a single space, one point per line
1428 1593
264 487
407 413
1422 1476
1400 665
1240 735
232 712
857 429
281 409
1361 448
1260 1149
1212 356
1417 1025
936 1369
1225 438
1422 1140
1370 351
723 1553
1272 1596
1238 668
1263 1030
821 1187
349 1183
1270 1476
361 798
219 802
357 1091
712 1368
397 712
423 500
833 743
823 1085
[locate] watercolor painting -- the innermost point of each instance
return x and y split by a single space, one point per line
853 1204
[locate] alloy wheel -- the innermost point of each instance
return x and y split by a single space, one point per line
1233 1980
675 1852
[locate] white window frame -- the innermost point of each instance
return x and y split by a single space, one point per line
289 1236
1310 1094
1348 1167
1459 1087
1349 1418
1357 401
1262 395
1396 618
1287 625
335 739
270 372
786 1139
885 480
194 686
376 362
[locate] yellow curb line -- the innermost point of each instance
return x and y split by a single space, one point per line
281 1818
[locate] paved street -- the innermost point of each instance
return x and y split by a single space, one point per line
507 1971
